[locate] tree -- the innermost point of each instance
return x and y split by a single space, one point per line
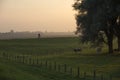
117 28
96 16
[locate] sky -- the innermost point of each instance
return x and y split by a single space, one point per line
37 15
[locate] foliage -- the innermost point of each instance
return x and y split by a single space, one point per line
96 16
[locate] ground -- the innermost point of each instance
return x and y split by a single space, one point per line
61 51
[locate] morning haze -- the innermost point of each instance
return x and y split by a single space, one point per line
38 40
37 15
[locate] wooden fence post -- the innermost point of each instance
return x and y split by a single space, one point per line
7 56
27 60
19 58
110 78
102 77
85 75
55 65
94 75
65 68
30 61
78 72
37 61
46 63
41 64
23 59
50 66
59 69
15 58
33 61
71 71
4 54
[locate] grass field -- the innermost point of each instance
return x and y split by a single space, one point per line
58 50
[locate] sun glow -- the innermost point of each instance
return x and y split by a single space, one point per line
29 15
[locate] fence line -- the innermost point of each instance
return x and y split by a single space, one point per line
51 66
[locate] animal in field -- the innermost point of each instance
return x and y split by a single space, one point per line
116 50
98 50
77 50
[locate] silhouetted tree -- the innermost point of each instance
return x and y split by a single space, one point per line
96 16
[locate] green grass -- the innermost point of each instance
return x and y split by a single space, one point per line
58 50
13 71
39 46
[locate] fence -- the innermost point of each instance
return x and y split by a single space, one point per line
62 68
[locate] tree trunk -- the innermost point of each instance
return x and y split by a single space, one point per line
118 43
110 45
109 41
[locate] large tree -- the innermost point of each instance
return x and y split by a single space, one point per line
96 16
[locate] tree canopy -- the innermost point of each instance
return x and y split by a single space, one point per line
96 18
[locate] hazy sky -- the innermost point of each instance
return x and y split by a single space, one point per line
37 15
